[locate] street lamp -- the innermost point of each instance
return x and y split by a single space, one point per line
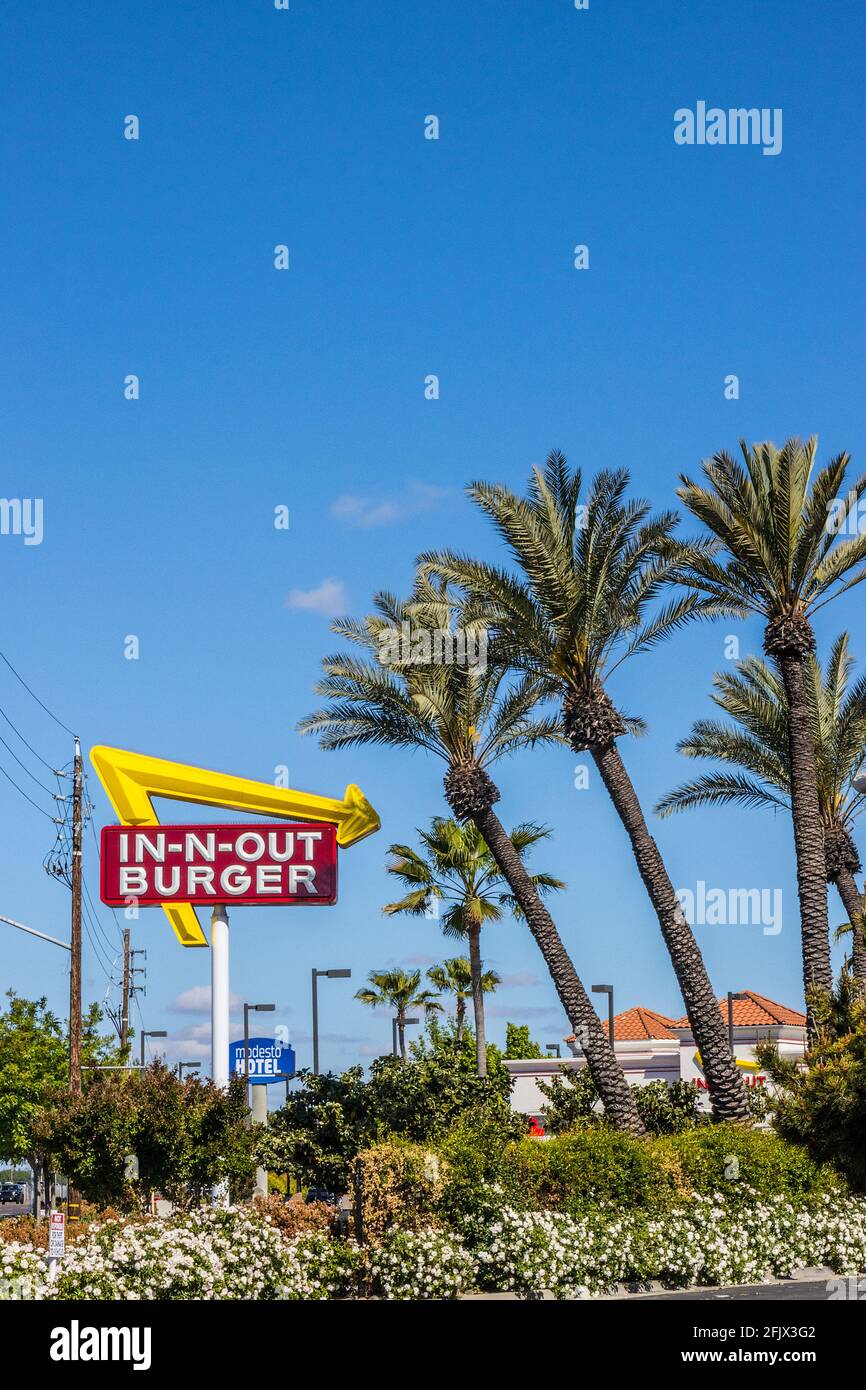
190 1066
608 990
731 997
251 1009
151 1033
328 975
407 1023
286 1076
553 1049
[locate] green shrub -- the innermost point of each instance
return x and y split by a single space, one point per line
572 1103
473 1151
743 1163
599 1165
824 1107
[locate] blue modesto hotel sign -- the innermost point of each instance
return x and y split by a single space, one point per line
270 1060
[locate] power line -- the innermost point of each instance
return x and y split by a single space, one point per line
33 694
40 809
93 909
29 773
36 755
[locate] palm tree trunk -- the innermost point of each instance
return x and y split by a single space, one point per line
808 830
727 1094
606 1071
474 935
852 901
401 1033
461 1016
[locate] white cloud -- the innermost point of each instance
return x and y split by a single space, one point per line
329 598
197 1001
366 512
523 979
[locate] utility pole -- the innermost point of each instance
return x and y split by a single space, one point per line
75 943
124 998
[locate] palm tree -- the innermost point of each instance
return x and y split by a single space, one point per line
467 715
457 868
589 574
755 746
454 976
398 990
781 558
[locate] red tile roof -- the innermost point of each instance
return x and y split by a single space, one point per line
638 1024
755 1011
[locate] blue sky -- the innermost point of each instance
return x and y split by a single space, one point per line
305 387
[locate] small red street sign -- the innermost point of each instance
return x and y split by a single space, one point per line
276 862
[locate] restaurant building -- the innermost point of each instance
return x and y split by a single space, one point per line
652 1047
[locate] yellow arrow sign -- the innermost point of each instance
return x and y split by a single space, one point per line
132 779
742 1062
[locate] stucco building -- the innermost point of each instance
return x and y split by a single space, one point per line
652 1047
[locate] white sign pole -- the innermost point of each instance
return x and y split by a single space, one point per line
219 1015
260 1117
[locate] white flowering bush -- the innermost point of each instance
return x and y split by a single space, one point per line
208 1254
319 1267
236 1254
706 1242
23 1272
428 1264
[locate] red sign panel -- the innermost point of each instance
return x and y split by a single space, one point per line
252 864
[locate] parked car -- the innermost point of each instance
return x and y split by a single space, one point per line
11 1192
320 1194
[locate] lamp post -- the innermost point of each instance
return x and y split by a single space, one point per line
286 1076
251 1009
151 1033
407 1023
329 975
608 990
190 1066
731 997
553 1049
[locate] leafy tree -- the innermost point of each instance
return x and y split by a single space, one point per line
572 1101
756 748
330 1119
781 558
585 600
469 716
518 1043
401 991
186 1137
455 868
34 1066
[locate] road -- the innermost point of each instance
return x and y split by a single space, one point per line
13 1209
797 1291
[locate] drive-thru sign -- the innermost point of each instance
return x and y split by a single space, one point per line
291 858
132 780
253 864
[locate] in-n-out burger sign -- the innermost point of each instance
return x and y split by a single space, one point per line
253 864
291 858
